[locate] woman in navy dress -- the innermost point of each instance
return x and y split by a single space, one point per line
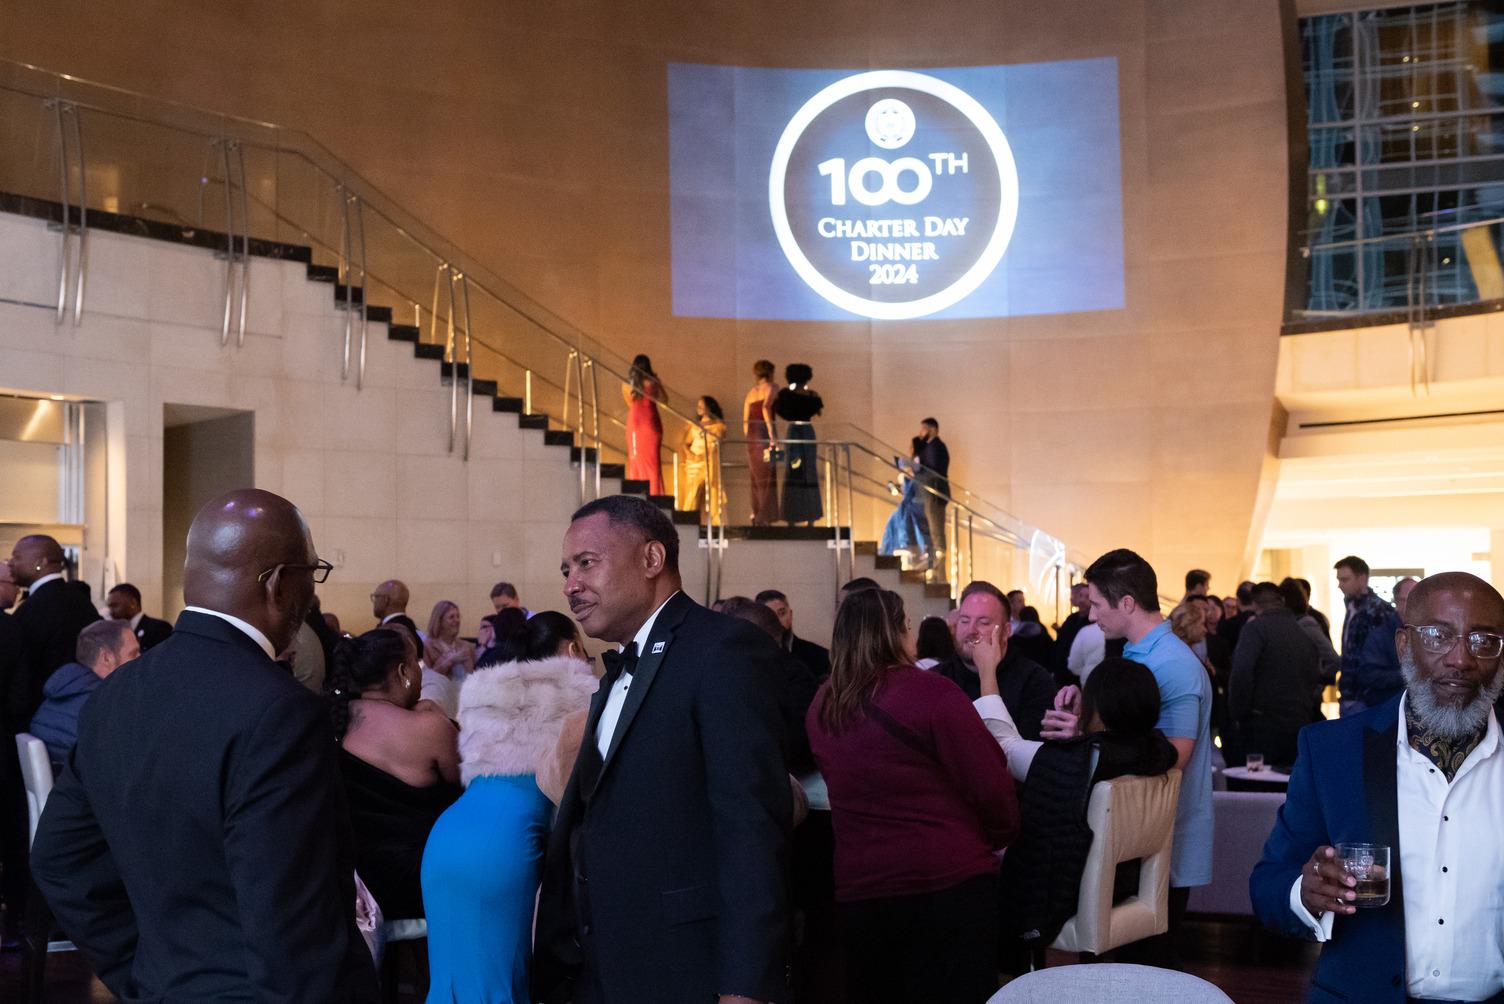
485 854
907 530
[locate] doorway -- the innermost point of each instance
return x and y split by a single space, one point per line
205 453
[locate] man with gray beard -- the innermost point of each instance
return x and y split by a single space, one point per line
1423 775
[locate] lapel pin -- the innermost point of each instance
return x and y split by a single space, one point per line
657 647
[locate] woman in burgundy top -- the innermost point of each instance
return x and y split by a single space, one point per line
921 800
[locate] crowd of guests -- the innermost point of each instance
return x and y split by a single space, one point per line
721 808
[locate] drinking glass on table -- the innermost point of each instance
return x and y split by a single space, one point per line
1255 763
1368 864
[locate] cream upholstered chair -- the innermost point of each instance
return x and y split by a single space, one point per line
36 776
1108 983
1130 817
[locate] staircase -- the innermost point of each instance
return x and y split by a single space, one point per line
150 337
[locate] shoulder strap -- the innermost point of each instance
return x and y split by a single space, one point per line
902 733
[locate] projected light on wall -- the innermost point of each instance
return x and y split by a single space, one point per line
895 194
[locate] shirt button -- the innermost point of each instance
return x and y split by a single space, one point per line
1443 868
1436 972
1446 819
1439 920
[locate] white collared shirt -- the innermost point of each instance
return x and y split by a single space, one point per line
606 727
31 589
136 620
1451 871
250 630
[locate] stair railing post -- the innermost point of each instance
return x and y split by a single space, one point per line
469 364
63 185
850 513
595 424
454 371
342 280
83 217
360 229
224 166
245 245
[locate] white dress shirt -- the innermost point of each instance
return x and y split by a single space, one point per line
42 582
250 630
136 620
606 727
1451 871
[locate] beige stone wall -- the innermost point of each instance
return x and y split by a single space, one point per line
535 135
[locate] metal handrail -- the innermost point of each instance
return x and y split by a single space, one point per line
104 99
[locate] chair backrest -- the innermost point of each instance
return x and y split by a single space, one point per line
36 775
1130 818
1108 983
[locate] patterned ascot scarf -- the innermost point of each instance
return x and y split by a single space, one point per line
1444 751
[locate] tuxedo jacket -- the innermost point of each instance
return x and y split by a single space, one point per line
406 621
816 658
151 632
50 620
1342 789
196 846
11 667
667 878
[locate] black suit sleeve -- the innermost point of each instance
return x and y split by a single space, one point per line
1035 696
74 869
281 847
752 808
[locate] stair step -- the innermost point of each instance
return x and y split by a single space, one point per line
532 421
446 368
558 437
868 547
883 560
423 350
632 486
485 388
323 273
574 454
936 590
685 517
614 471
355 293
913 575
512 404
379 315
662 501
402 332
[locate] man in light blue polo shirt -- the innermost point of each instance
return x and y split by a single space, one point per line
1124 595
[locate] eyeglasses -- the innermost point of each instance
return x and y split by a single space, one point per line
320 569
1438 638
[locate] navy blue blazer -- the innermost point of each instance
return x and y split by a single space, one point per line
1342 788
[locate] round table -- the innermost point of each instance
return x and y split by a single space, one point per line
1243 779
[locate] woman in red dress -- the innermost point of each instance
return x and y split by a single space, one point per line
761 429
644 428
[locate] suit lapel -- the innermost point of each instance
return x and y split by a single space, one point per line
1381 795
657 647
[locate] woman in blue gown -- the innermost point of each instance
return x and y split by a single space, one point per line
907 529
484 858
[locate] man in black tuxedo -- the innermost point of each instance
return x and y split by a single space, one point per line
125 605
816 658
389 604
53 613
14 825
197 846
665 880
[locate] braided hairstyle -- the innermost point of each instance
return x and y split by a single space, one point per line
540 638
360 664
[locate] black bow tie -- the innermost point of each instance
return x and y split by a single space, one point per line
617 663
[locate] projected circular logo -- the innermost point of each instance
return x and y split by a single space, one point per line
893 194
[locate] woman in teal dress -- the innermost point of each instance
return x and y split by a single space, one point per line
484 858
